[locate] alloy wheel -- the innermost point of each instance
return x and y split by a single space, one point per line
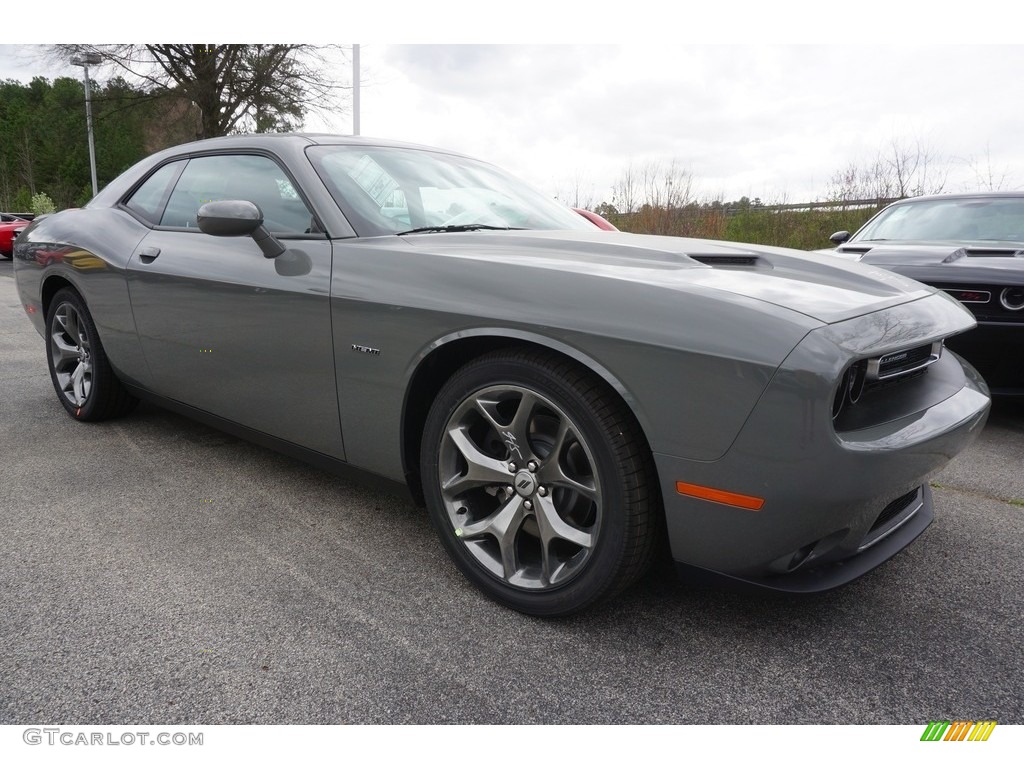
71 355
520 488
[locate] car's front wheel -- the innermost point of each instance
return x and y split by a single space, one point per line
85 383
539 482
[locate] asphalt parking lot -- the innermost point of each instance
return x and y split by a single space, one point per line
153 570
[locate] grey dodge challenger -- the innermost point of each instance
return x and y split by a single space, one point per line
562 399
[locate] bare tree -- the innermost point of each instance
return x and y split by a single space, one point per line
625 191
654 195
986 178
902 168
577 192
666 186
916 168
234 87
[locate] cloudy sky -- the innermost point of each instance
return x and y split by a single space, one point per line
746 117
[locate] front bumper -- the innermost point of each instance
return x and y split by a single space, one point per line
837 503
814 577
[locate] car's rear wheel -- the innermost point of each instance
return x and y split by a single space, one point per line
539 482
85 383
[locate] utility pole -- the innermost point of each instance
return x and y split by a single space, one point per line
84 61
355 89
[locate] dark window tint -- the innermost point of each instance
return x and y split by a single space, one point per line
238 177
148 200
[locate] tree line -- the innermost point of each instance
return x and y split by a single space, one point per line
43 137
157 96
661 198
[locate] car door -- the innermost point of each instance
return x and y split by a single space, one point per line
225 329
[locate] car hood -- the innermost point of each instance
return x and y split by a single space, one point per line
828 290
926 257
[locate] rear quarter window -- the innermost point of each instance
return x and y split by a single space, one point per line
149 199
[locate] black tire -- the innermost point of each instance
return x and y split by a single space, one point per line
546 534
85 383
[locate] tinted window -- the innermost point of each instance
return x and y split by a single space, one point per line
148 200
238 177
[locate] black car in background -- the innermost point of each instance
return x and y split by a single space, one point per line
972 247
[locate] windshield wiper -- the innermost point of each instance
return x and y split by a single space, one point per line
453 228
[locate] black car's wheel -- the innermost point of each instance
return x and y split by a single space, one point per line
539 482
85 383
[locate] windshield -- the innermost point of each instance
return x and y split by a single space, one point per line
952 219
390 190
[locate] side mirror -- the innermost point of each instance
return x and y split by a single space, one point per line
235 218
229 218
840 237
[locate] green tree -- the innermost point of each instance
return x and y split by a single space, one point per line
44 144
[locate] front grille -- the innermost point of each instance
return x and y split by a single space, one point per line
898 362
866 377
903 361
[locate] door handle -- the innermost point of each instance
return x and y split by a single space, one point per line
147 254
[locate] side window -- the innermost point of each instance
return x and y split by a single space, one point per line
148 200
238 177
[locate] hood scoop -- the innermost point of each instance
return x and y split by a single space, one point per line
995 252
729 260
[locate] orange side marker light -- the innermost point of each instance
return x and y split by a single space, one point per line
719 496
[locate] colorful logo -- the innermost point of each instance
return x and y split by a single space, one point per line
958 730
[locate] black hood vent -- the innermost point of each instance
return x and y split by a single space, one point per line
994 251
726 261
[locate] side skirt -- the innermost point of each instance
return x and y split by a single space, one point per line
319 460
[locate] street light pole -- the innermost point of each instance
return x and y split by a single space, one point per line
84 61
355 89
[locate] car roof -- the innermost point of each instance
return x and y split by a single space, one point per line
962 196
272 140
287 146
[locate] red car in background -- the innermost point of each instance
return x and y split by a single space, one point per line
596 219
10 226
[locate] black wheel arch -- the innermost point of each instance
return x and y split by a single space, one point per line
50 286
